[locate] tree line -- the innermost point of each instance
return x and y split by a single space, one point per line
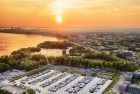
88 63
24 59
55 45
78 51
4 92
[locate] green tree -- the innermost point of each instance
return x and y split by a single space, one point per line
37 57
4 67
28 64
4 92
30 91
64 52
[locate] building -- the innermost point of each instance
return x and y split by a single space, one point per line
134 89
128 76
136 75
123 86
138 61
125 54
137 49
126 85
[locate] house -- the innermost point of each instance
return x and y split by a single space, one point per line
126 85
134 89
136 75
137 49
138 61
123 86
128 76
125 54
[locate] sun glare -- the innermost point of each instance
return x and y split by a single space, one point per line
59 19
59 8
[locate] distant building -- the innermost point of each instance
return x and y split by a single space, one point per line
125 54
137 49
136 75
123 86
127 86
138 61
134 89
101 48
128 76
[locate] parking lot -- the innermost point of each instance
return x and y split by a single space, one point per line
55 82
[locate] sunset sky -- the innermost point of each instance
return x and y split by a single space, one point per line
70 13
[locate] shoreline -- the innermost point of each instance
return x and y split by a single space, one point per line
11 45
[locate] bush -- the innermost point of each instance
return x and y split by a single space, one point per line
102 56
4 67
37 57
4 92
78 51
28 64
87 63
55 45
29 91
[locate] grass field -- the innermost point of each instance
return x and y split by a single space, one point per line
115 78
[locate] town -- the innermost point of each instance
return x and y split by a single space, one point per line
102 63
69 46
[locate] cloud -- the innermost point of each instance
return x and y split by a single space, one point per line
71 5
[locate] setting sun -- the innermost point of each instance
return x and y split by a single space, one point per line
69 46
59 19
75 13
59 6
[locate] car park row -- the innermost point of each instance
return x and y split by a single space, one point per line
63 83
54 82
79 85
43 78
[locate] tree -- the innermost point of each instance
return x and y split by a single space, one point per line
30 91
64 52
4 92
28 64
4 59
4 67
55 44
37 57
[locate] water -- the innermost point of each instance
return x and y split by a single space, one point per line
10 42
50 52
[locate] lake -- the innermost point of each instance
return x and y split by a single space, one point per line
10 42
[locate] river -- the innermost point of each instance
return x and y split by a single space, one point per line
10 42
